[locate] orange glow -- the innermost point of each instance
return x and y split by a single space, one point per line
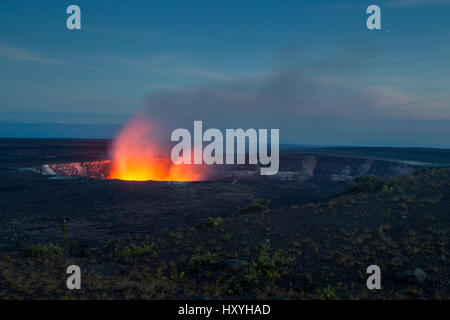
136 157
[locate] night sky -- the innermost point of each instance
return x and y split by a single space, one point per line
310 68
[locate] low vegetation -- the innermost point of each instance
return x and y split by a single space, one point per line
315 251
257 206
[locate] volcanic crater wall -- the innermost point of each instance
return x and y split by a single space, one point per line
341 168
91 169
298 167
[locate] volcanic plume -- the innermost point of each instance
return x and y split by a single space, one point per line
139 155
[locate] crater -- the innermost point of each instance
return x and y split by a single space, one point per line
295 167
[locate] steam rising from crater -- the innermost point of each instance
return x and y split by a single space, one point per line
140 155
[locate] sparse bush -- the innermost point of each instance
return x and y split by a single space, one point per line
47 249
329 293
215 222
431 201
372 183
386 190
227 237
197 261
251 278
177 277
134 250
266 266
258 205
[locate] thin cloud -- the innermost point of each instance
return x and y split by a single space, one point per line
16 54
125 32
415 3
390 4
20 54
309 106
169 64
204 73
288 95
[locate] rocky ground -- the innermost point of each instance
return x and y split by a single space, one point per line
213 240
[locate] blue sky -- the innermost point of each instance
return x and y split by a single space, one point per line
311 68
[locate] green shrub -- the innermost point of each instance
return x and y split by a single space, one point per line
47 249
227 237
196 261
251 276
386 189
329 293
271 267
215 222
134 250
258 205
372 183
177 277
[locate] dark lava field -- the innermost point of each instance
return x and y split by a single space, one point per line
311 233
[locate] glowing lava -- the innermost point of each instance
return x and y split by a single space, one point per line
137 156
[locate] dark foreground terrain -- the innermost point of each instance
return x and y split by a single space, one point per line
309 239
